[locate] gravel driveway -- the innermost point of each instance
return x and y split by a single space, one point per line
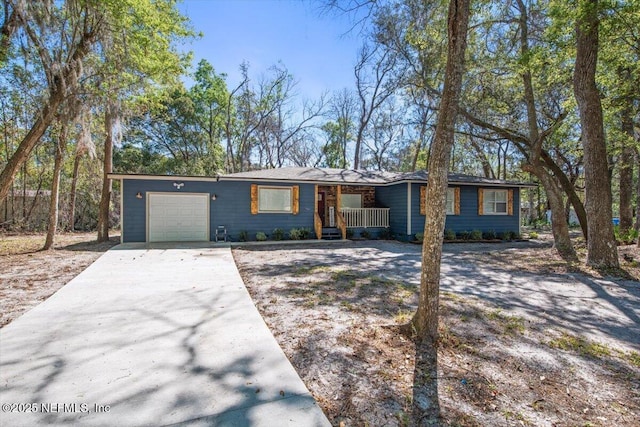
605 310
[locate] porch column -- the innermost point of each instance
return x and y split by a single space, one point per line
339 219
317 222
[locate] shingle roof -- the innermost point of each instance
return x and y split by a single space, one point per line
350 176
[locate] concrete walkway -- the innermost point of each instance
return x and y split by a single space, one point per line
158 335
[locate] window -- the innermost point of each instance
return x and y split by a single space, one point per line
274 199
351 201
495 202
451 201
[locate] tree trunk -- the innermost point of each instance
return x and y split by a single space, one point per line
601 246
74 191
532 208
52 227
625 163
570 191
358 148
425 321
559 225
638 198
105 198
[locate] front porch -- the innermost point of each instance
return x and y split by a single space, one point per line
339 207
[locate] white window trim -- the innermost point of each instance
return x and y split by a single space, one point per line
506 202
266 187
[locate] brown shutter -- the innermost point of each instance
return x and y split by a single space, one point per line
456 201
296 199
480 201
510 202
423 200
254 199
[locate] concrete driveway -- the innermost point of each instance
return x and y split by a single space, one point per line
156 335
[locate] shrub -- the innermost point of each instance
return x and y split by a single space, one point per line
243 236
419 237
386 234
475 235
277 234
349 233
510 235
449 234
464 235
625 238
305 233
533 235
489 235
365 234
295 234
260 236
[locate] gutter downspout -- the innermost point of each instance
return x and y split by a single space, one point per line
409 209
121 211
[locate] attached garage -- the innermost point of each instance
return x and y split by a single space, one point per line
173 217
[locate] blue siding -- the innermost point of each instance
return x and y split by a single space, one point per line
395 198
469 219
232 207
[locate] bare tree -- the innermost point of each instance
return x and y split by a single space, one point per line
339 129
383 137
376 73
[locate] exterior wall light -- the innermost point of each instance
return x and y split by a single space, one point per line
178 185
214 197
138 195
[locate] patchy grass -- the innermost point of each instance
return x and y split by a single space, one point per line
580 345
633 357
492 366
510 324
547 260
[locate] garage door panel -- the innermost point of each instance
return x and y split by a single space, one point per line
178 217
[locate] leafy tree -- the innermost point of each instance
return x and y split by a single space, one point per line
60 35
209 96
138 53
334 150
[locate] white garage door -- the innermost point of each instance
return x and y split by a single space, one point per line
178 217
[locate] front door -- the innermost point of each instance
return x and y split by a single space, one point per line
322 196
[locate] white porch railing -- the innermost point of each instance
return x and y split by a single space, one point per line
366 217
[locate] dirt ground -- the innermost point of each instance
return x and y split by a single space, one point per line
29 275
527 339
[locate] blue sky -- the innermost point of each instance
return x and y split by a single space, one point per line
319 50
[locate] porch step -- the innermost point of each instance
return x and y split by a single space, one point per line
331 233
